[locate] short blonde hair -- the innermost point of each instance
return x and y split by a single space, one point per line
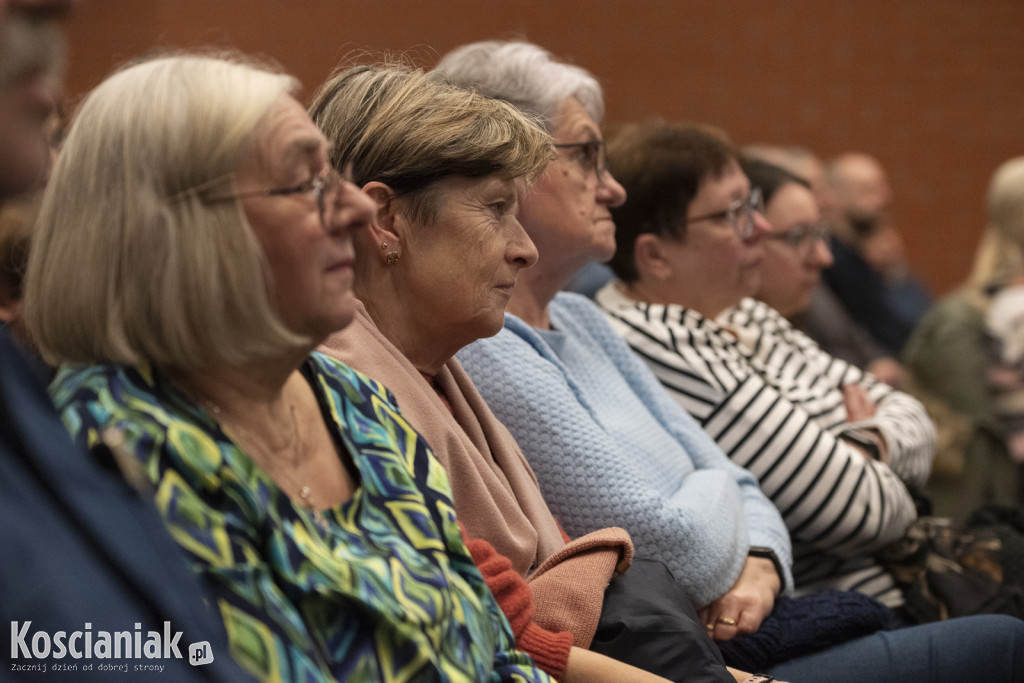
129 262
400 126
1000 255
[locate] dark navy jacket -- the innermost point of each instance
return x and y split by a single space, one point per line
78 547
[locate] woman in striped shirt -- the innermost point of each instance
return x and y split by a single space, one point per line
837 451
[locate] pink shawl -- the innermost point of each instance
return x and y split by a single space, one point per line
497 497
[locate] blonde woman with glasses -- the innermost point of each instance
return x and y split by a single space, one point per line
194 247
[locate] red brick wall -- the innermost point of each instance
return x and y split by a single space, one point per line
934 88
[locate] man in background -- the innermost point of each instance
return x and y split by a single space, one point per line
870 274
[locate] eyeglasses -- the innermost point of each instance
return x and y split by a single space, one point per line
324 187
590 156
739 215
802 237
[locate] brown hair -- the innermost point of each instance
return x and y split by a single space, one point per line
661 165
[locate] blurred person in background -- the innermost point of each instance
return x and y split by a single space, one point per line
17 218
952 370
823 317
870 275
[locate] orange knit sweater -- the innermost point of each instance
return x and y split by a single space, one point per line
549 649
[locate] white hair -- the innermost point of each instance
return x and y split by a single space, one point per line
525 75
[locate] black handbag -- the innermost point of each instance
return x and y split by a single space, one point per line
947 569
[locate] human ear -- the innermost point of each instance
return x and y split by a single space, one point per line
384 229
650 258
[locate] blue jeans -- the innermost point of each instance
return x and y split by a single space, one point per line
980 648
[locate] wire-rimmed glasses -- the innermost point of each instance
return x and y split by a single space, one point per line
802 237
591 156
739 215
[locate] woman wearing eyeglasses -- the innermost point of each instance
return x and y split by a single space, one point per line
608 445
833 448
796 251
796 243
435 272
194 248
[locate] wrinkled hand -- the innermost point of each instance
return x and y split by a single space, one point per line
744 606
858 405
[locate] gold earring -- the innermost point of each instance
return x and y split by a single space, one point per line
393 257
383 245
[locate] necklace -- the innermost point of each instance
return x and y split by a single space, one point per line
267 460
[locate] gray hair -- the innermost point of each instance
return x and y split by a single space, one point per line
525 75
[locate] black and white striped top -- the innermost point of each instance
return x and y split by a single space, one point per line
771 399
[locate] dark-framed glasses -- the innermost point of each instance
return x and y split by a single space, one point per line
590 155
324 186
802 237
739 215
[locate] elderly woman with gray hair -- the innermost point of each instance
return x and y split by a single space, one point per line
434 272
608 443
592 421
204 249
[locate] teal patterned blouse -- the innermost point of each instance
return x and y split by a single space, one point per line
380 588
